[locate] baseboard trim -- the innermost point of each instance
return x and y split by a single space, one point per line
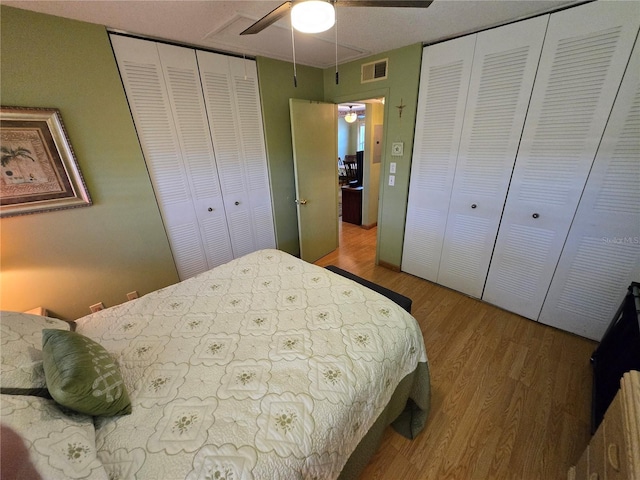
369 227
390 266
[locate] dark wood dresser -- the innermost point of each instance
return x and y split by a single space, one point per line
352 205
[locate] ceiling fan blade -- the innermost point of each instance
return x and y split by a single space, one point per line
384 3
283 10
271 17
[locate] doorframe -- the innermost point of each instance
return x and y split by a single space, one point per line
360 98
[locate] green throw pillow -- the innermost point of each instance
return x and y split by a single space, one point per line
82 375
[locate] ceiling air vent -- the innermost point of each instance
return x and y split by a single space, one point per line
374 71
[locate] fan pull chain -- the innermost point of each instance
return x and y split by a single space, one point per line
336 42
244 61
293 44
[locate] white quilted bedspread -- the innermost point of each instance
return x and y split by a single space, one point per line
264 368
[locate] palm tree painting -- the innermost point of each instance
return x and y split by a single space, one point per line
9 154
12 161
38 169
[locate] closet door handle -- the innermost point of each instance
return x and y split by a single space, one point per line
301 202
473 205
210 209
536 215
237 203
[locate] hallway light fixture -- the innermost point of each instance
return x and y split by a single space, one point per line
351 116
313 16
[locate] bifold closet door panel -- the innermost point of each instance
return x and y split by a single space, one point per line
602 254
182 78
232 99
504 68
583 59
143 79
245 85
444 82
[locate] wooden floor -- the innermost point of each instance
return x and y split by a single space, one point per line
510 397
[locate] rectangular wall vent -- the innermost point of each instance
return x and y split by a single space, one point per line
374 71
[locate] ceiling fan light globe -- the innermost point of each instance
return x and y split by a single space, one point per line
313 16
350 117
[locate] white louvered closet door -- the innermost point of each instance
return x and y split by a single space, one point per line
181 76
504 68
446 68
233 106
584 56
141 72
602 254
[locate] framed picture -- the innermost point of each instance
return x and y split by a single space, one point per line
39 171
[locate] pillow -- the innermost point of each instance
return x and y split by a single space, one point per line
20 351
82 375
61 446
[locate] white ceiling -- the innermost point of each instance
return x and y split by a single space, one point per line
362 31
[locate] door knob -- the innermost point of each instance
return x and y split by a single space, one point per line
535 215
237 203
301 202
473 205
210 209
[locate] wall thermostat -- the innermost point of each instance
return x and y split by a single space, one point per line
397 149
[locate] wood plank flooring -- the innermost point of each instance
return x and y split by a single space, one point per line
510 397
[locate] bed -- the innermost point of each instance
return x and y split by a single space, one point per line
267 367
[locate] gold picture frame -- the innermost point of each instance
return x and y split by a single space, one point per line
38 169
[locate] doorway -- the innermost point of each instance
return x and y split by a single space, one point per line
360 134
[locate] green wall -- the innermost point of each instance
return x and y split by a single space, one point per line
69 259
401 85
276 88
66 260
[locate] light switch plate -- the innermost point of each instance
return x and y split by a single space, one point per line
392 167
397 149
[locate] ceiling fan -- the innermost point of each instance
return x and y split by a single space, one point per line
285 8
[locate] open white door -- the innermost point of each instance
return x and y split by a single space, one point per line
315 159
